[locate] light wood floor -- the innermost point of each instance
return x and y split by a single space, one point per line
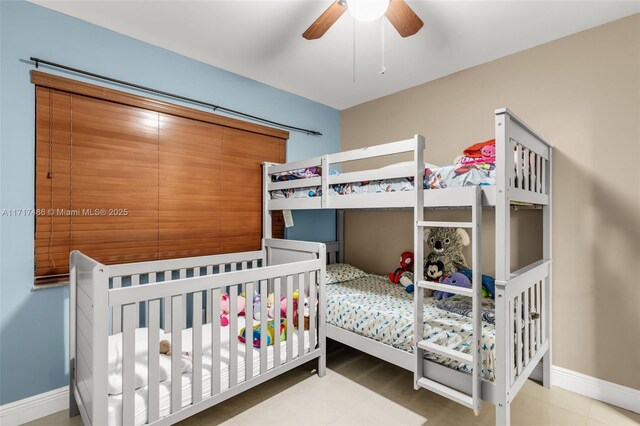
362 390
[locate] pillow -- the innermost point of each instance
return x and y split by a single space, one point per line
340 272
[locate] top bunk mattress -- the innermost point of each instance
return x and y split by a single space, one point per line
373 307
451 176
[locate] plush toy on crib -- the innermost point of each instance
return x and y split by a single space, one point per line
165 349
224 308
403 275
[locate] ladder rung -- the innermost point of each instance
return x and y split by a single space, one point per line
447 392
432 224
463 291
446 352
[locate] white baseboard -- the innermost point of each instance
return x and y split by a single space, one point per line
601 390
35 407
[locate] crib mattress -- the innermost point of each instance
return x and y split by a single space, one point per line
142 394
375 308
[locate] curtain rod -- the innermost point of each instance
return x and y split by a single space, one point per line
39 61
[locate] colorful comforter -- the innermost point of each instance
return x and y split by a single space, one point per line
373 307
455 175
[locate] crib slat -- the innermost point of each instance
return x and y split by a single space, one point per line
277 287
301 296
117 310
196 321
208 295
166 324
215 342
196 273
176 354
312 310
518 334
233 336
538 310
289 294
182 275
135 280
248 347
527 324
154 359
128 363
254 263
264 319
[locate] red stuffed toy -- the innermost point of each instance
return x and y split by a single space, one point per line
406 264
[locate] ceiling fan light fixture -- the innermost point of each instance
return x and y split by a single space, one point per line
367 10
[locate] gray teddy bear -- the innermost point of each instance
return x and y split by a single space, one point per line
446 256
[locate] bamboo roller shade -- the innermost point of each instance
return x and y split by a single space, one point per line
126 182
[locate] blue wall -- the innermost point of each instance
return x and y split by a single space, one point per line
34 324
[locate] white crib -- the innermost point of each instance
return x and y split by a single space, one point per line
121 303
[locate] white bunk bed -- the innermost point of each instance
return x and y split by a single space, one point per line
522 177
120 313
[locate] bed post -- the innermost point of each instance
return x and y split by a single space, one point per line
100 277
547 361
340 234
504 162
418 250
73 404
322 303
266 213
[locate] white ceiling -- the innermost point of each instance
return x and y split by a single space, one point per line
262 40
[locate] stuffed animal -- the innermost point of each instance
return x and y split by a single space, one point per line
457 279
446 246
257 331
224 308
488 283
165 349
256 306
406 264
433 270
406 279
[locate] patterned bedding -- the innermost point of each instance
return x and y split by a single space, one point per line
455 175
373 307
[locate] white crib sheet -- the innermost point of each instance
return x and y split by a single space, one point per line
141 395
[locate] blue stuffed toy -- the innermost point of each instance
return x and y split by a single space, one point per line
488 283
457 279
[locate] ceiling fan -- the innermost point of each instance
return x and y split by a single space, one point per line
401 16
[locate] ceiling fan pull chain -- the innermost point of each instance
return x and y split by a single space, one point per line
382 67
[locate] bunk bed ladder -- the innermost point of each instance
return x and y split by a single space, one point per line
474 359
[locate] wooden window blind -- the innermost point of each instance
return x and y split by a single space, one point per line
130 181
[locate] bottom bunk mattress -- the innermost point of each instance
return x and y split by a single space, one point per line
373 307
142 393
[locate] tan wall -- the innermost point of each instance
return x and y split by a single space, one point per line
582 93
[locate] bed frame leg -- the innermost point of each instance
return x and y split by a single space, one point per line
73 405
322 365
546 369
503 413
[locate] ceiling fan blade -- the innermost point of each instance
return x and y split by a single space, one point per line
325 21
403 18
